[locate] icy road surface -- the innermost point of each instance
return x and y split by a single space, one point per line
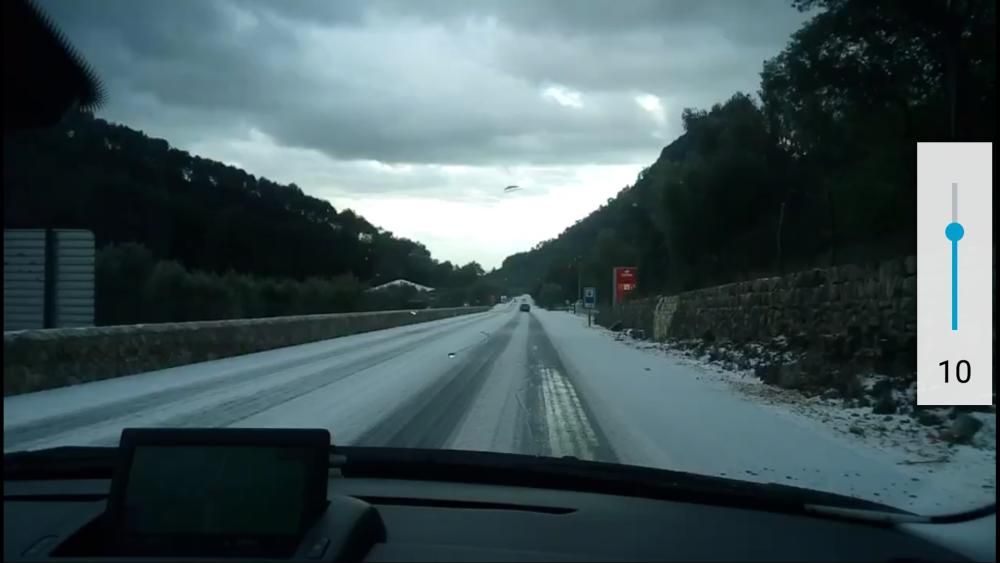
536 383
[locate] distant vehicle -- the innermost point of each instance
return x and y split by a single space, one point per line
525 307
503 298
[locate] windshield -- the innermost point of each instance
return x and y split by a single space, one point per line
681 235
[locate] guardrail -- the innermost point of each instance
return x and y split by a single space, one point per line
34 360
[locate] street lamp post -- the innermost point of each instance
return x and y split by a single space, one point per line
579 288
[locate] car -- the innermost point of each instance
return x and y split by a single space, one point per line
525 307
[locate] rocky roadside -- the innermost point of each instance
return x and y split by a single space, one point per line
847 396
786 365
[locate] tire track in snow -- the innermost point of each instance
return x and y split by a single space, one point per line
558 422
235 409
430 418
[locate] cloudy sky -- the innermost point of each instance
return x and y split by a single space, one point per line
418 113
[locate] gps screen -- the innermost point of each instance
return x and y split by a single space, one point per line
216 490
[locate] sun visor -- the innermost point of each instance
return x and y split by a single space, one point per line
43 76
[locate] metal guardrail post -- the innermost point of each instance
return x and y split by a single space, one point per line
49 287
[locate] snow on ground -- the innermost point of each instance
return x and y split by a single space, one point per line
649 406
666 409
29 407
214 393
491 423
897 436
352 405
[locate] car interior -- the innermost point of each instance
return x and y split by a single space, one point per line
287 495
225 494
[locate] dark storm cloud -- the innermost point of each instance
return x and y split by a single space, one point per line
747 22
424 82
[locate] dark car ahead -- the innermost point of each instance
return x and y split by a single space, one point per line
525 307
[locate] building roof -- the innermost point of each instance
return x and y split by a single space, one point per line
400 283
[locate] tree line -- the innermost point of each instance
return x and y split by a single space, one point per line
134 287
819 168
182 237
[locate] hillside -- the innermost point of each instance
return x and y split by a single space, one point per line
818 169
182 237
128 187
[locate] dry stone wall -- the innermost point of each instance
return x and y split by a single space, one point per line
845 313
43 359
853 307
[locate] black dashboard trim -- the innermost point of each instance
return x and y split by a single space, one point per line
464 504
431 522
57 497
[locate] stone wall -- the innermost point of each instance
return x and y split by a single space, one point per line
872 300
43 359
636 314
844 310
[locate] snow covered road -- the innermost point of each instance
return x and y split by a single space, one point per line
489 381
537 383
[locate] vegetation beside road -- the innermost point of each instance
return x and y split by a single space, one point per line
818 169
183 238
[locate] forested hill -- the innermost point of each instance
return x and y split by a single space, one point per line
128 187
183 238
818 168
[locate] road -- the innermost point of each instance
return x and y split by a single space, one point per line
489 381
538 383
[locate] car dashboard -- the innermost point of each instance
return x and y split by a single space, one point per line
463 521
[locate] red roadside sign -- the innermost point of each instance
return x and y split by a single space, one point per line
624 279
